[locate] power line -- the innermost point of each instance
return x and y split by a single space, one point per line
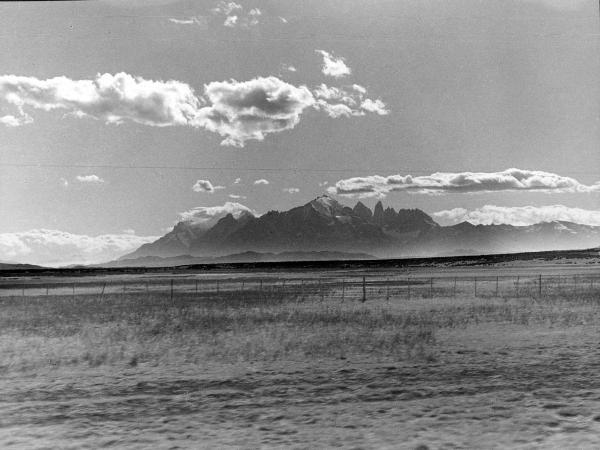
244 169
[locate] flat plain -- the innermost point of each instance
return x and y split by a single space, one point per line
449 357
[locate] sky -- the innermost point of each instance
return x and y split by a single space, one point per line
118 118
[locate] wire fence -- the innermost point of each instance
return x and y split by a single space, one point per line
352 288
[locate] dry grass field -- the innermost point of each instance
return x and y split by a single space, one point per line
303 366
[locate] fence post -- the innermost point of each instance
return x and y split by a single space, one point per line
540 287
196 286
171 290
302 288
431 287
321 290
46 290
496 285
73 289
517 286
475 284
387 293
102 293
217 287
364 286
454 288
408 288
343 289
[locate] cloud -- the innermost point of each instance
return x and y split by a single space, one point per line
339 102
226 8
289 68
261 181
88 179
462 182
237 181
234 15
333 66
207 216
64 182
291 190
56 248
519 215
246 110
561 5
194 20
237 110
111 98
205 186
237 197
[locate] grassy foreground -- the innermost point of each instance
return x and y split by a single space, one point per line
129 329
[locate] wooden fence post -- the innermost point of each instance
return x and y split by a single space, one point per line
73 289
540 287
517 286
431 287
217 287
196 286
46 290
454 288
364 290
475 284
496 285
171 290
387 293
408 288
343 289
321 290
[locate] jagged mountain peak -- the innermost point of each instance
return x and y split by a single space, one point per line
362 211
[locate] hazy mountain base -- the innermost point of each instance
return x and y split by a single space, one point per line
326 225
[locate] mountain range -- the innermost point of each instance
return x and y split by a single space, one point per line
325 225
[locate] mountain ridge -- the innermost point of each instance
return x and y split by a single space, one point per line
326 225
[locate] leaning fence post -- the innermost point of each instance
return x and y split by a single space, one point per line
73 289
540 286
102 293
171 289
408 288
475 284
343 289
364 290
196 286
496 285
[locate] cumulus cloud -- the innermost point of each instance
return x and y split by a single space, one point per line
261 181
462 182
237 110
88 179
518 215
111 98
207 216
59 248
340 102
237 197
64 182
246 110
333 66
291 190
205 186
237 181
234 15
